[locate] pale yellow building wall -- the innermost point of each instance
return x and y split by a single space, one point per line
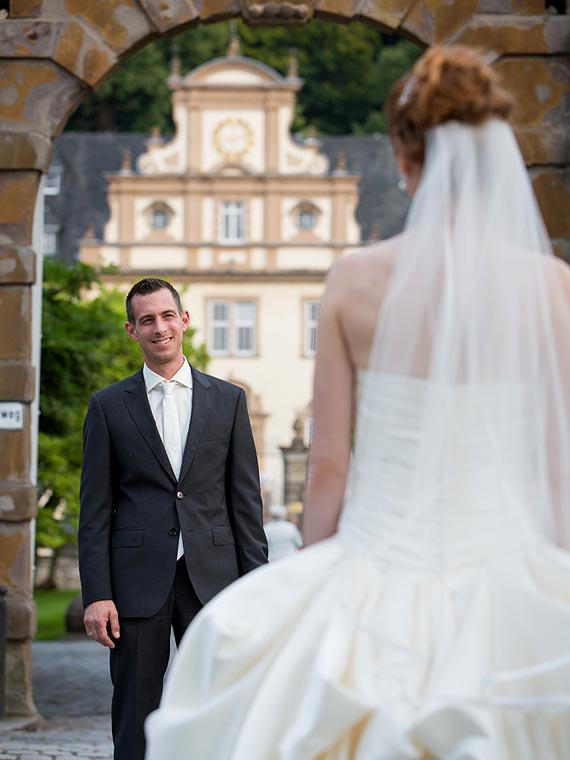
255 220
209 219
305 258
279 373
167 257
112 226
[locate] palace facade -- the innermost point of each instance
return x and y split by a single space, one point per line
246 221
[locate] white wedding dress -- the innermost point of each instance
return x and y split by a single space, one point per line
435 624
407 633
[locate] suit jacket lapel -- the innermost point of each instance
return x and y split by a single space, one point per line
202 397
136 400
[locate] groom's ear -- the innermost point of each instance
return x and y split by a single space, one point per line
131 332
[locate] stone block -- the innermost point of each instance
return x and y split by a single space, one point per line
16 318
119 24
25 150
388 15
552 189
15 565
83 55
20 619
435 21
17 380
72 45
19 700
540 89
18 501
517 35
543 145
17 266
17 194
216 10
512 6
37 95
26 8
170 13
16 452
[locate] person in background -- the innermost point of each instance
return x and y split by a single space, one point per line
283 536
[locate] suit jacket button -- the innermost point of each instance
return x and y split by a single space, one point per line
173 532
179 495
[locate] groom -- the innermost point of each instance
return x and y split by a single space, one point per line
170 506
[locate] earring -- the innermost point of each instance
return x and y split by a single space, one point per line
402 183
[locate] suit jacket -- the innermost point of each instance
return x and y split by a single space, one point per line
133 507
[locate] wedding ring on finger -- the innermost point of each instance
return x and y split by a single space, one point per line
90 634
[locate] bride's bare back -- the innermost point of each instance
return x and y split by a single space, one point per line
348 315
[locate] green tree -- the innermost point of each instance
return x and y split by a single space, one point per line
84 348
391 63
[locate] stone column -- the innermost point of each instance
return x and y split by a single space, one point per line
295 467
17 389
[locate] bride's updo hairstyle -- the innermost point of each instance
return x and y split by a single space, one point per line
446 84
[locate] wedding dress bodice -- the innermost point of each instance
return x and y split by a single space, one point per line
438 506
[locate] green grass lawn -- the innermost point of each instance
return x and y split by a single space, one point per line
51 609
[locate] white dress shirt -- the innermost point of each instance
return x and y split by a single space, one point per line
183 400
182 397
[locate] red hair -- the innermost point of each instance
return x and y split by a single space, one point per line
446 84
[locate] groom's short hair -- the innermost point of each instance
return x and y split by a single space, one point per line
145 287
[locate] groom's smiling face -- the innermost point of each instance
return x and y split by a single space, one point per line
159 328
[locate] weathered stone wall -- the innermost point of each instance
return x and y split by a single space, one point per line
52 52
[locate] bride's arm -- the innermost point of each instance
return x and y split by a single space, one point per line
333 412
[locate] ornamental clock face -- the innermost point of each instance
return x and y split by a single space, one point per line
233 138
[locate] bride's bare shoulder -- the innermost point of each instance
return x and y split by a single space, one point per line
362 267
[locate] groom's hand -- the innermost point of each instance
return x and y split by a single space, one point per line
100 619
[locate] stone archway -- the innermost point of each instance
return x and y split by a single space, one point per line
52 54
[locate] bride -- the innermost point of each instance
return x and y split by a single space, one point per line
430 618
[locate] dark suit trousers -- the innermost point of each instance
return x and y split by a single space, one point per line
139 661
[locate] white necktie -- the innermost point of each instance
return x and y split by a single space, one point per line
172 437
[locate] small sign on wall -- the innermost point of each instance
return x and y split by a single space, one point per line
11 415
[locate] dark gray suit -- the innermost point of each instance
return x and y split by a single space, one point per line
133 507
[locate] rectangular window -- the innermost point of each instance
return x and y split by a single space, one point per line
310 327
231 328
52 181
50 240
232 222
219 328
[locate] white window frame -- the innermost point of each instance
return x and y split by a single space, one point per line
232 222
310 322
52 181
50 233
232 324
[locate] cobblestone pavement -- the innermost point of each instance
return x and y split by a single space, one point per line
72 691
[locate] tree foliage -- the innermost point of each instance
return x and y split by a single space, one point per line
347 71
84 348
